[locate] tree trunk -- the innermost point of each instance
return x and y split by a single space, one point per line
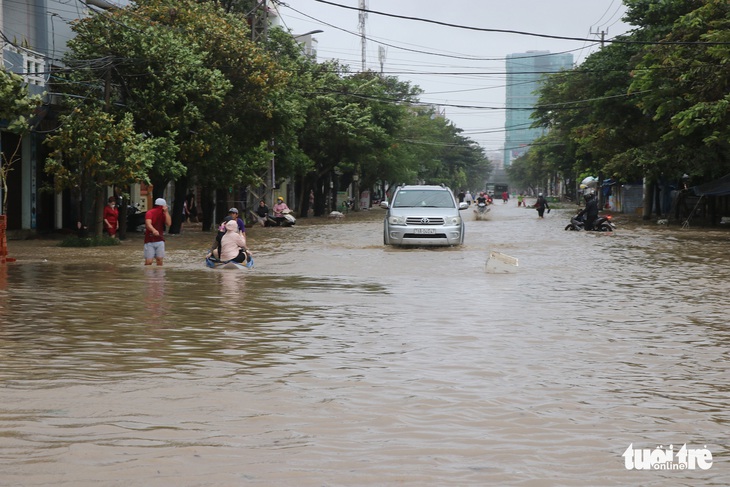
98 212
181 190
206 207
648 193
303 191
320 195
84 216
657 200
123 204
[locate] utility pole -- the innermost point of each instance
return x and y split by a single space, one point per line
602 34
381 57
260 33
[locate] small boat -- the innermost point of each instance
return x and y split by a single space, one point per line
215 263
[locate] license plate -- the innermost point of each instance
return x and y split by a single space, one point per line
425 231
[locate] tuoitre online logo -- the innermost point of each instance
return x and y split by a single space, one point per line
661 458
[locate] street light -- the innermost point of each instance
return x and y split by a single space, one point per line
311 32
307 42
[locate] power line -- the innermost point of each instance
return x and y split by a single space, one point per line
417 51
569 105
517 32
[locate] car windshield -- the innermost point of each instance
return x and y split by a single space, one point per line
423 198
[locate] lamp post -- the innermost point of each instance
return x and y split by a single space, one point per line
307 42
311 32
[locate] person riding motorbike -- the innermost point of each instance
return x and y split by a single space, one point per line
589 214
481 198
279 209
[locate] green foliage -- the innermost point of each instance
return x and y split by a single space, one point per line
214 106
655 104
16 107
688 84
187 72
92 150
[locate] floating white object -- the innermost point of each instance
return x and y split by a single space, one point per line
499 263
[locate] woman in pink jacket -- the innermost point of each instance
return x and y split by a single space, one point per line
233 244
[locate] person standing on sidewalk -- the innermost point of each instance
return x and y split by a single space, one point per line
155 221
111 217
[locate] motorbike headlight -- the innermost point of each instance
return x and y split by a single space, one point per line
397 220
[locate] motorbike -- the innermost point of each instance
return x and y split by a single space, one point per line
287 220
601 224
135 219
481 211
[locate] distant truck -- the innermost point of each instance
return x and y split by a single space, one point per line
501 188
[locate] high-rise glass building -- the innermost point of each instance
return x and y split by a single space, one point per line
525 71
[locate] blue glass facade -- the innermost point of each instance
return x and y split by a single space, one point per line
524 74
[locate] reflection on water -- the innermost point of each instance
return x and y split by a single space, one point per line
336 361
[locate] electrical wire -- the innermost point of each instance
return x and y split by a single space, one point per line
401 48
510 31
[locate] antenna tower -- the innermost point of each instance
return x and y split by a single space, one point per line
363 19
260 21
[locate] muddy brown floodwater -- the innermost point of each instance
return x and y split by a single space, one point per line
338 362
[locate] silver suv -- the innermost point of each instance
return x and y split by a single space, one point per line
423 215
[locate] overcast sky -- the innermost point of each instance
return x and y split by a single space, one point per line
448 78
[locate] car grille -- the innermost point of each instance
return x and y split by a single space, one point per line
418 220
422 236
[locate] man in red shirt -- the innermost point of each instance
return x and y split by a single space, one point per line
154 226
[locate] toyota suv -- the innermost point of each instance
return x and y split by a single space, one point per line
423 215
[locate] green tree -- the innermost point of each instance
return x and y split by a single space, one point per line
189 72
338 130
686 89
16 108
92 150
592 121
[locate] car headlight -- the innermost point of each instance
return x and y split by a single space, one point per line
397 220
455 221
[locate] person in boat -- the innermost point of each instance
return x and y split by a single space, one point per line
232 245
279 209
233 213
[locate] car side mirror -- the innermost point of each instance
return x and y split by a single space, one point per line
384 205
463 205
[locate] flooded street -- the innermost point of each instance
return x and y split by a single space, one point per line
336 361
